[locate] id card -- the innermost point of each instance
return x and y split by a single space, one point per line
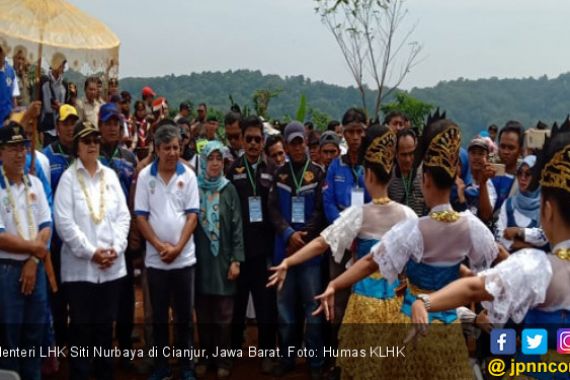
357 197
298 210
255 213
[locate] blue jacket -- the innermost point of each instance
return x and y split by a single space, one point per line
339 183
7 83
280 207
124 163
59 161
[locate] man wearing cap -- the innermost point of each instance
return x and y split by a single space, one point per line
54 90
8 86
123 162
329 145
88 107
147 95
481 191
25 227
59 154
295 209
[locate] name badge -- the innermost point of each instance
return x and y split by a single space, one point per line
255 213
298 210
357 197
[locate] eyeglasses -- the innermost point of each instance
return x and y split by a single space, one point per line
91 140
233 136
249 139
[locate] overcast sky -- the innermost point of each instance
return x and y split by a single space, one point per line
470 39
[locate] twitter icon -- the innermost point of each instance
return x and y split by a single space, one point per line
534 341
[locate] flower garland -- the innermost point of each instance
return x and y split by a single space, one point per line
32 232
97 219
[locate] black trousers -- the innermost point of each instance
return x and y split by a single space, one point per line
92 311
253 278
174 289
58 300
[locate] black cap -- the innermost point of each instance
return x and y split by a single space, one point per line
13 133
84 129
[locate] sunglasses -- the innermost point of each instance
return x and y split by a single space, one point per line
234 136
91 140
249 139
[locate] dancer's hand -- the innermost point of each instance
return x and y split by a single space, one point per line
278 277
327 303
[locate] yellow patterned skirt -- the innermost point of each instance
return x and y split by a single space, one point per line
369 323
365 319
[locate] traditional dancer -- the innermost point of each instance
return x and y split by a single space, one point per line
429 251
373 300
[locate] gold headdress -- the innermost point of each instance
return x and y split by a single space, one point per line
381 151
556 172
443 149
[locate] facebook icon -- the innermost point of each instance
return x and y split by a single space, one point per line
503 341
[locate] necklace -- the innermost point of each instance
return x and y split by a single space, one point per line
31 225
563 253
446 216
381 201
97 219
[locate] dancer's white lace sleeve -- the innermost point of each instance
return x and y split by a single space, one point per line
517 285
402 242
484 249
343 231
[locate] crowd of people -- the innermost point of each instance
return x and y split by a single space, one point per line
368 222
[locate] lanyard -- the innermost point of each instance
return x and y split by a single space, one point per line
298 183
356 175
250 176
407 187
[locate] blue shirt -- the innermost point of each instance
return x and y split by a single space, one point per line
7 83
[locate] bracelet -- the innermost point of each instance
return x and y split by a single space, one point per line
35 259
425 299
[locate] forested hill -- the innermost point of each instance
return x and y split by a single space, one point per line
474 104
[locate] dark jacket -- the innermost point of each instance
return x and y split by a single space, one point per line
280 206
258 236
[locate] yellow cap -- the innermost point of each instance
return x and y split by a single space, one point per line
66 111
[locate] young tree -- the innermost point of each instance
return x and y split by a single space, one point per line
369 36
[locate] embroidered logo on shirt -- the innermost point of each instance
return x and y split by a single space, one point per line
283 177
240 169
309 177
180 184
152 185
33 197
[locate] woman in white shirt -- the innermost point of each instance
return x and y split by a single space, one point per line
93 221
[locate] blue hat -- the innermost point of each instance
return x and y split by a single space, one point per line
293 130
107 111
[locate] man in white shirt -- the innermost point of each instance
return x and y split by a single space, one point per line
167 205
25 228
88 107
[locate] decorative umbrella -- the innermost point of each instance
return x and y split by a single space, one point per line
56 31
45 28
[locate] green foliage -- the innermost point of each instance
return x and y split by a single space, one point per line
302 110
319 119
415 109
261 99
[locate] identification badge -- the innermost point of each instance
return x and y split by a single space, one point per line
298 210
357 196
255 213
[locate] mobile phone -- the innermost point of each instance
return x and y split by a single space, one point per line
499 169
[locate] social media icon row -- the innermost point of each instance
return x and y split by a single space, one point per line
533 341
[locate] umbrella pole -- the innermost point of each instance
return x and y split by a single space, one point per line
48 265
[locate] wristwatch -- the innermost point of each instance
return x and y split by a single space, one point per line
425 299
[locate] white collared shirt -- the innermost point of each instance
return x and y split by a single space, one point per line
167 205
80 235
40 211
